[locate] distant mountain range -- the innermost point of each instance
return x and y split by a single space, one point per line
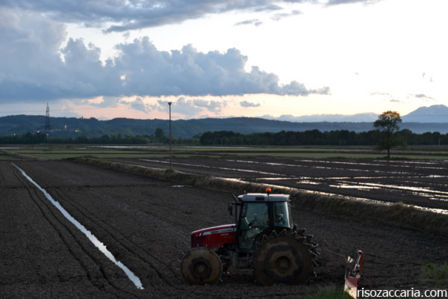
424 119
360 117
431 114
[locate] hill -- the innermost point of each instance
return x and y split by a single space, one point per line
72 127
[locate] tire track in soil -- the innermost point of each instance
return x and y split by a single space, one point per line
186 291
117 236
144 256
183 291
59 227
141 253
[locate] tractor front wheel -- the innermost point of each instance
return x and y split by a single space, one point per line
201 266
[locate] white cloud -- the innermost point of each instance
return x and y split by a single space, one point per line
212 106
247 104
255 22
32 67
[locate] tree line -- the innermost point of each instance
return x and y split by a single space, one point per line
311 137
35 138
316 137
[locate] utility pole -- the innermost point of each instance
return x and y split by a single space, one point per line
171 135
47 119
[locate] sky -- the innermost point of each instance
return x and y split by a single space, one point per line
216 58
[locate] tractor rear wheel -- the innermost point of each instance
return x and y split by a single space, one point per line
201 266
284 257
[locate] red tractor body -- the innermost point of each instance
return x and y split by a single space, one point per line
214 237
263 239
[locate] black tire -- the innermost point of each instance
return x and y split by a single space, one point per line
284 257
201 266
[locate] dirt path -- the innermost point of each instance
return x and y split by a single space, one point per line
146 224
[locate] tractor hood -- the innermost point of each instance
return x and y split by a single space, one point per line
225 228
214 237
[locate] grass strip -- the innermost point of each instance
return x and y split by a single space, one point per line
397 214
435 275
17 156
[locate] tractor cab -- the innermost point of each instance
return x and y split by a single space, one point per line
260 212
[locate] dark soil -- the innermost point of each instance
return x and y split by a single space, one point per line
146 224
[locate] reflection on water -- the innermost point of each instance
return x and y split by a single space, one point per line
98 244
214 167
339 182
9 147
177 186
332 165
281 188
347 186
308 182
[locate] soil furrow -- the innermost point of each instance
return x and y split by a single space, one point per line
62 229
118 237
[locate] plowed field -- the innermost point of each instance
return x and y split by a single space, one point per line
146 224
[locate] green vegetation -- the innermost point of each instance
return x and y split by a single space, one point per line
387 123
435 275
272 152
41 138
4 156
329 292
385 138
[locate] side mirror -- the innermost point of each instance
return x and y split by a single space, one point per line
230 209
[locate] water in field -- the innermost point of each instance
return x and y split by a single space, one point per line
92 238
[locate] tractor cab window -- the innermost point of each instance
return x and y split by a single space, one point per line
254 220
282 215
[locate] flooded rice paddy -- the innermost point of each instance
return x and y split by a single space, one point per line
417 183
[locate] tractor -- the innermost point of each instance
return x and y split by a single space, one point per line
263 239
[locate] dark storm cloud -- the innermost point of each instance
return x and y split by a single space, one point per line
34 68
135 14
139 105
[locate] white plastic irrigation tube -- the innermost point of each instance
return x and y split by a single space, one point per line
98 244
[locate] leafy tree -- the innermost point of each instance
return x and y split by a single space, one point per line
387 123
159 136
